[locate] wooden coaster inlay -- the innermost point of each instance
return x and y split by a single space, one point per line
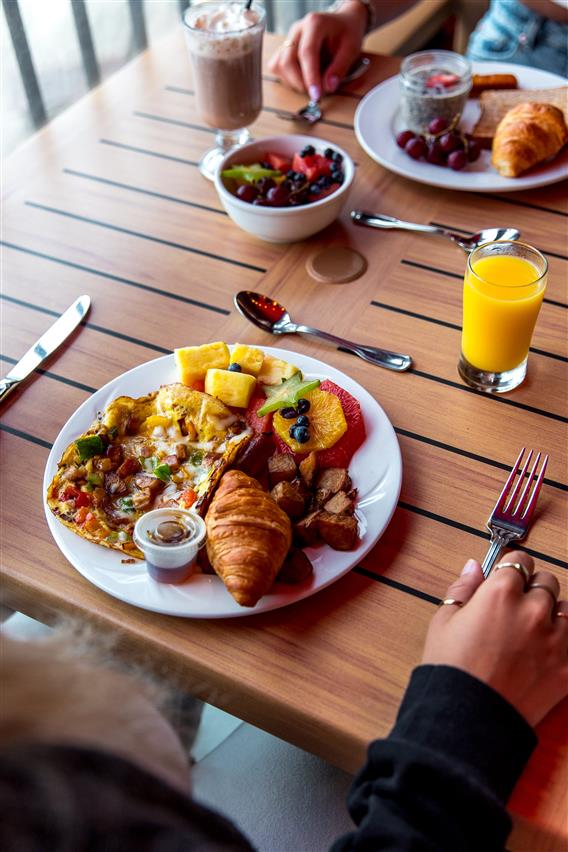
336 265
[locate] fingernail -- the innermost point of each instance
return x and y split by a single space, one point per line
332 82
314 92
469 567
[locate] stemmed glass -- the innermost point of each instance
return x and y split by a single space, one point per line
225 45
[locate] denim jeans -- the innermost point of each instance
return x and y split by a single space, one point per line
510 32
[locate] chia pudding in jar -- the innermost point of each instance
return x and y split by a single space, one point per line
434 84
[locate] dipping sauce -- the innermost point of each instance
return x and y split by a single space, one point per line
170 540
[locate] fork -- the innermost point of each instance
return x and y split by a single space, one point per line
511 517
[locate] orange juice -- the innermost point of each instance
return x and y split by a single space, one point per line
502 297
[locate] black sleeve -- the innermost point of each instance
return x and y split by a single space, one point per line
441 779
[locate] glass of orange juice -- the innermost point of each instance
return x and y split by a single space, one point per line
503 290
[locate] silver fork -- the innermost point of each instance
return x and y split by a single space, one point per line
512 514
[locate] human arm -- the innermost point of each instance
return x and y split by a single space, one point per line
492 668
322 46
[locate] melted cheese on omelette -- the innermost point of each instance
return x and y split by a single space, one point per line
169 448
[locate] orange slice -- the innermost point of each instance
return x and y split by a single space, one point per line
327 423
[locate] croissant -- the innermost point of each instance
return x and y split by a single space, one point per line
248 537
528 134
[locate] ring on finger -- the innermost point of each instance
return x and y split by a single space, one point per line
290 43
518 566
532 586
450 602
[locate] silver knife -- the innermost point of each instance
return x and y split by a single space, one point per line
46 345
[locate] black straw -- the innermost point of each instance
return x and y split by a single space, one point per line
248 4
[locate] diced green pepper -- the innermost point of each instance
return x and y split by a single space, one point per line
251 173
125 503
90 446
196 458
95 479
149 463
287 393
163 472
112 536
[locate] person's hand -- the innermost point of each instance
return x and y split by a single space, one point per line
510 638
337 35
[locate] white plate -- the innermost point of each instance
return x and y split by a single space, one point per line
376 471
377 123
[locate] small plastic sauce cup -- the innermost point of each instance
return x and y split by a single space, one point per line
170 540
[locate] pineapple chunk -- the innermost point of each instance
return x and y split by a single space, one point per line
274 371
231 388
194 361
249 357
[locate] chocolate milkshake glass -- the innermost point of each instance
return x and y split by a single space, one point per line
225 44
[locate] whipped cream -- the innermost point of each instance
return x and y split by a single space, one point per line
230 18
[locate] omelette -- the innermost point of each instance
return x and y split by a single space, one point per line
167 449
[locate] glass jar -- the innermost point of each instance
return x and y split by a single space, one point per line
434 84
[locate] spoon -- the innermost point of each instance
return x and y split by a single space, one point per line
468 244
312 111
270 316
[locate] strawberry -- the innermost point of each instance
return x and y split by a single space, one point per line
445 80
313 166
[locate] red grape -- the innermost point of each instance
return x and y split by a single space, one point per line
278 196
449 142
457 160
473 151
437 125
247 192
416 148
404 137
264 184
435 154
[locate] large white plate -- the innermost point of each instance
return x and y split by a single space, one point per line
377 121
376 471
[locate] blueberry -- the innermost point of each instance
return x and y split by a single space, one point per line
329 152
301 434
325 181
315 188
303 405
292 432
235 368
308 151
288 413
266 165
337 157
291 174
303 420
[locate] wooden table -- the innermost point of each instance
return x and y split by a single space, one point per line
107 200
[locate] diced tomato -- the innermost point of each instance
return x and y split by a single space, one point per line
256 423
278 161
188 497
81 515
82 499
69 493
199 385
313 167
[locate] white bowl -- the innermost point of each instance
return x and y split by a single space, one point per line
283 224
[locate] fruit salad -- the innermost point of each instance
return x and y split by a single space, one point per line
279 181
303 415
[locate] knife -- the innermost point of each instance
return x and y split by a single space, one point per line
46 345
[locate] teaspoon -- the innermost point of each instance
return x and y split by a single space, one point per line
274 318
468 244
312 111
